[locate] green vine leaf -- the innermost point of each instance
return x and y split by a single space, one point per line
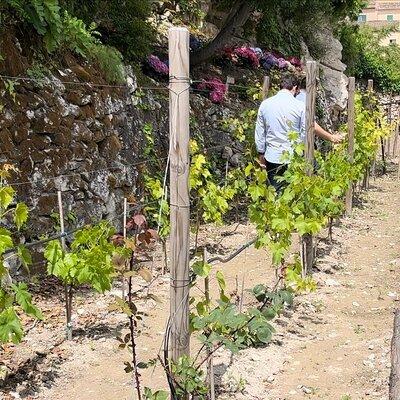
20 215
201 269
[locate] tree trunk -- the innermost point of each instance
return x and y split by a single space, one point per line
394 382
238 16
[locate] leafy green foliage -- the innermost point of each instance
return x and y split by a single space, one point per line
295 281
372 60
190 379
14 298
88 262
44 16
158 395
223 324
61 30
123 25
158 208
213 199
286 23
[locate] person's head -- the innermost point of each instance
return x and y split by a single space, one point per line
290 82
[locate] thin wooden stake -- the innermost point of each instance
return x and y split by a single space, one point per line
179 190
230 80
265 88
67 288
210 361
396 138
350 124
388 139
394 380
384 169
124 234
398 166
370 168
311 79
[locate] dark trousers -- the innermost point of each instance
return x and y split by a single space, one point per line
274 171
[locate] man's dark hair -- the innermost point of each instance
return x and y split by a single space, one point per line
289 82
303 83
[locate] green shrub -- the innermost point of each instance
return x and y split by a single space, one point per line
109 61
61 30
43 15
377 62
123 24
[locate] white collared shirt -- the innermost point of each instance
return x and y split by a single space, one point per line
277 116
302 96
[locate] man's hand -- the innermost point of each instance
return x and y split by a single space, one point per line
262 161
337 138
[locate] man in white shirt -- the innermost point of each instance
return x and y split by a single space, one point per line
277 116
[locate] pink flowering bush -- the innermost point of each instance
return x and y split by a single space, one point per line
247 56
228 53
295 61
216 88
243 55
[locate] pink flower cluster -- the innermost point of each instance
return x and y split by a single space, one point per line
244 55
157 65
248 55
216 87
255 57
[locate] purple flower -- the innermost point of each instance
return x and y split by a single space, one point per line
157 65
268 61
282 63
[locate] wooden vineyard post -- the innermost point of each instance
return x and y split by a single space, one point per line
370 168
124 234
307 253
230 80
265 88
210 361
350 123
396 138
67 288
398 161
394 380
179 190
388 139
373 167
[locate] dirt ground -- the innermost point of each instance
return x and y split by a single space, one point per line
332 344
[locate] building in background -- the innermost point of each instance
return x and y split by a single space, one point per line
382 13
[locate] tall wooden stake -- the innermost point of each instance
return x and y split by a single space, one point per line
179 190
388 139
350 124
398 161
394 380
373 167
370 168
265 88
210 361
124 234
230 80
396 138
67 288
311 79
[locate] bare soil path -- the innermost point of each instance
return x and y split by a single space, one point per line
333 344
